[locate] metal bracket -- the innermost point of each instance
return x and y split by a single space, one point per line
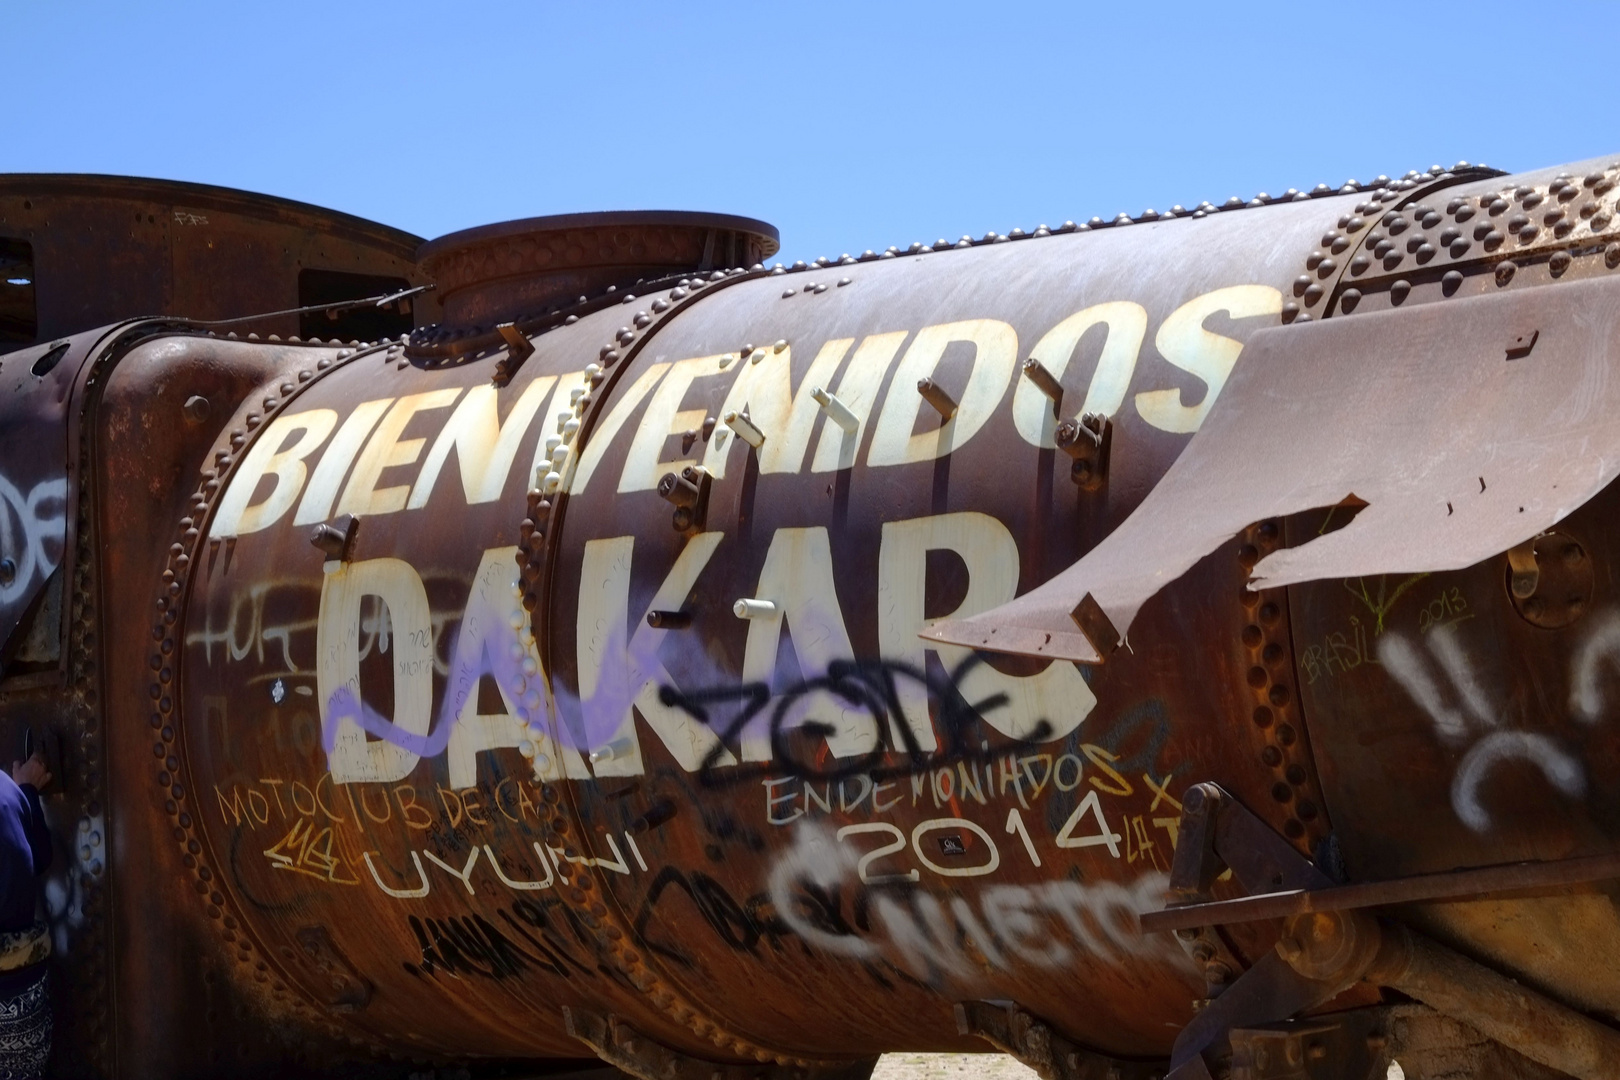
626 1049
335 539
688 492
1088 441
1525 571
518 349
1323 953
1017 1033
1217 833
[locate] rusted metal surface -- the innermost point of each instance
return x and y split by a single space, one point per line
95 249
40 385
1457 885
497 272
1459 449
562 660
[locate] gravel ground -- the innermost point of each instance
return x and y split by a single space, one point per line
950 1066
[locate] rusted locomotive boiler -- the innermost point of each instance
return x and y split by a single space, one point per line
1177 646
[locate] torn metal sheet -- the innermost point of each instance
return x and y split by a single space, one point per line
1467 426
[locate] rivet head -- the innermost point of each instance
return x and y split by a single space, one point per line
1399 290
1451 282
1349 299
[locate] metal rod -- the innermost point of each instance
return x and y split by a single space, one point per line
1451 885
341 305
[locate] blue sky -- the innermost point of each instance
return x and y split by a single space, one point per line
846 125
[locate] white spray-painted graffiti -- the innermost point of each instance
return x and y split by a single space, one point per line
68 884
1044 925
1467 718
31 534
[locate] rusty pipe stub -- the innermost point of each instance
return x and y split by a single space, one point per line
496 273
1330 946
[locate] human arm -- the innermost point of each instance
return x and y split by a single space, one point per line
30 776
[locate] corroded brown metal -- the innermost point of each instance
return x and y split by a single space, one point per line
500 272
82 251
417 692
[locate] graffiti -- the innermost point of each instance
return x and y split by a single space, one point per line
1465 717
1600 649
70 883
981 777
865 688
1337 653
964 937
307 850
1380 600
528 939
32 528
740 926
471 945
1450 606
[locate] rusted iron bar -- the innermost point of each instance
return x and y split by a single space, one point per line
1452 885
1342 949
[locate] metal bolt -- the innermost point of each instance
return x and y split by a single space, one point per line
936 396
836 410
754 609
195 409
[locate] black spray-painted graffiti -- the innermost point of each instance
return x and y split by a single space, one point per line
870 687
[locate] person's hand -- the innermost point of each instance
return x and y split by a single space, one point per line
32 771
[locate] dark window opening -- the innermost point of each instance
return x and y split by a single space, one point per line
355 324
19 323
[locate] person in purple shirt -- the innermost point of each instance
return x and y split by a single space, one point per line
25 853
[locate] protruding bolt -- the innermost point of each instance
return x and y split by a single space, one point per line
8 571
678 490
669 620
195 409
1290 949
754 609
936 396
613 751
836 410
1044 381
745 429
328 540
